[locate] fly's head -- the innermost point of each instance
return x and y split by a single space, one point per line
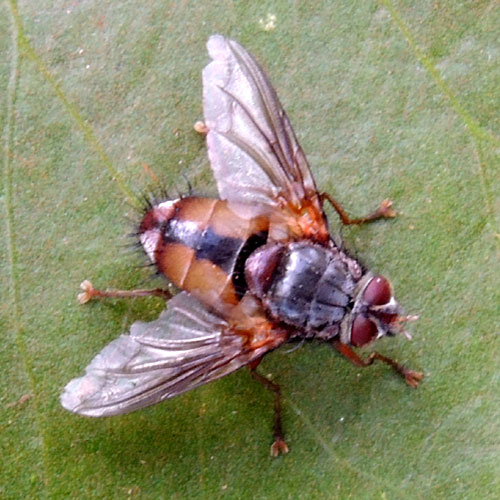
375 313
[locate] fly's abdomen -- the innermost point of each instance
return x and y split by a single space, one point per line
302 284
200 244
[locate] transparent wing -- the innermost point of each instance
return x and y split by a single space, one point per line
254 153
187 346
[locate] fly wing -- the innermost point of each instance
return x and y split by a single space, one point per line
253 151
187 346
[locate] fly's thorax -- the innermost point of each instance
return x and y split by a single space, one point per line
305 285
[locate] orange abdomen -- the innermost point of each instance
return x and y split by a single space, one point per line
201 245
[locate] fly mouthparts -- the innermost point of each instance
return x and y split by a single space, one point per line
406 334
407 319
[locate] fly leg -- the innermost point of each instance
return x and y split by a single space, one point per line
201 128
411 377
89 293
279 445
382 212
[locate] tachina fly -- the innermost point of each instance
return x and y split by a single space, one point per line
256 268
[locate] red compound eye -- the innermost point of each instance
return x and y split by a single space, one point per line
378 291
363 331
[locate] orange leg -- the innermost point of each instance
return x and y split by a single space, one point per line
411 377
89 293
382 212
201 128
279 445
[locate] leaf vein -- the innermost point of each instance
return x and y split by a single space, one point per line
477 132
12 254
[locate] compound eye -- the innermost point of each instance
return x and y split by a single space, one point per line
378 291
363 331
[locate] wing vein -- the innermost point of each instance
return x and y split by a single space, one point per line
270 101
278 153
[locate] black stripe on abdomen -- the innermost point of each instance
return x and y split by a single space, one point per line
220 250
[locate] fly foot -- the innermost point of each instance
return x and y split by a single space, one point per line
412 377
279 447
385 209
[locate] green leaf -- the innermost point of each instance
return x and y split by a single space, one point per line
389 99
